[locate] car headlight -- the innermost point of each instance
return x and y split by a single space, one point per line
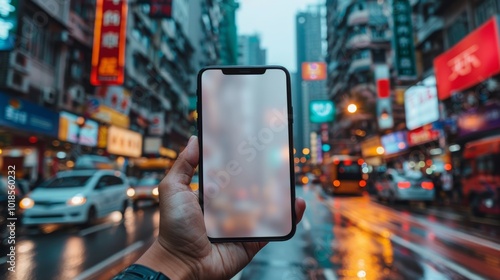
26 203
155 191
77 200
130 192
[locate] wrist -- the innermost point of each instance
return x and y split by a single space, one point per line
161 259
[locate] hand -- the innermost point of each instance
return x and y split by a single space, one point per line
182 249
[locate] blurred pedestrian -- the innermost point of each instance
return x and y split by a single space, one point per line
447 183
182 249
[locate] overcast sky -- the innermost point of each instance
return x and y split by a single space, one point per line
274 20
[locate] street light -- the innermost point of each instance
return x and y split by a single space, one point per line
352 108
306 151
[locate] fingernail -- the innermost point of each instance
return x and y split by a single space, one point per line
191 139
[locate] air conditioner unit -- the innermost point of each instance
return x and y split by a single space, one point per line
17 80
49 95
77 94
20 62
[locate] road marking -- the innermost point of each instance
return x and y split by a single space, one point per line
329 275
118 255
3 260
435 257
96 228
237 276
306 223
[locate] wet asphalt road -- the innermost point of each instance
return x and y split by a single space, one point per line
339 238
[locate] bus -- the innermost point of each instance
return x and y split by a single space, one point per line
481 176
342 175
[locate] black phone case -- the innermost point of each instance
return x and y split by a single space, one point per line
249 70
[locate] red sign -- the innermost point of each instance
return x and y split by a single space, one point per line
469 62
383 88
422 135
313 71
160 9
108 56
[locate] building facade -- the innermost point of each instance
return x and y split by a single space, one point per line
51 113
228 35
309 49
250 51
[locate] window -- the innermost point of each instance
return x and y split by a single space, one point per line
484 11
36 39
458 30
378 33
66 182
362 54
108 180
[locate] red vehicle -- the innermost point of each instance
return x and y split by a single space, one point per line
481 176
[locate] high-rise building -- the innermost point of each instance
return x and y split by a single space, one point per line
358 38
250 51
228 36
309 49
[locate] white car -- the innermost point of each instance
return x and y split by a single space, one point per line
76 196
394 186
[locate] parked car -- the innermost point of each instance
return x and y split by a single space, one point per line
394 186
146 189
76 196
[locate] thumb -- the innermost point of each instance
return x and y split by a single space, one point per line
179 176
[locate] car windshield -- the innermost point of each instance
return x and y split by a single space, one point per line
148 182
66 182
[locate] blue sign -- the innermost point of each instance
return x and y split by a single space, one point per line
395 142
8 23
20 114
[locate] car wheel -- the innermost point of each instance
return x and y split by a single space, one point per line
91 216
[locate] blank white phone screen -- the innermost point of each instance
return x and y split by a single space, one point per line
246 156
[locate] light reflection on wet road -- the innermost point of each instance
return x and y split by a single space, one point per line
339 238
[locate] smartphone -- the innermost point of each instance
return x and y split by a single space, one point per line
246 172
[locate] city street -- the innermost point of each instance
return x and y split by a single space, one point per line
339 238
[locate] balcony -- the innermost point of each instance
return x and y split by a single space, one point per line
359 41
358 17
360 65
432 25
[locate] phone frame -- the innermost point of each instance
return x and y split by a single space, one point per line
249 70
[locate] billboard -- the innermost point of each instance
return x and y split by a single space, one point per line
8 24
313 71
472 60
115 97
403 45
423 135
321 111
69 130
157 125
108 52
384 113
20 114
421 106
160 9
124 142
394 142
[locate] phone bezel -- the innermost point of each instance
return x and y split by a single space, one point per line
249 70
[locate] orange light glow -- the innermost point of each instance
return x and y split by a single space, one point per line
336 183
360 161
404 185
427 185
305 180
428 162
447 167
362 183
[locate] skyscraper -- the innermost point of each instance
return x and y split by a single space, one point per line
228 36
250 51
309 49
